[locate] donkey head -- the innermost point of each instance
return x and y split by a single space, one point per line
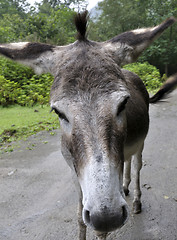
91 96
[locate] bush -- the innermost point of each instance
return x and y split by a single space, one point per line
19 85
7 91
13 71
149 74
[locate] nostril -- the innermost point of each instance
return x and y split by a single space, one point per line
87 216
124 213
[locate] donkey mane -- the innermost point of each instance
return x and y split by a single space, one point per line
81 20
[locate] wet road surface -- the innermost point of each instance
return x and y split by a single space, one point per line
38 200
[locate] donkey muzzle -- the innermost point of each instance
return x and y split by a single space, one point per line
105 220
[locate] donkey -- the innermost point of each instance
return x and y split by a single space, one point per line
103 112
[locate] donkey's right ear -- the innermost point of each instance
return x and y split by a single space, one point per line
38 56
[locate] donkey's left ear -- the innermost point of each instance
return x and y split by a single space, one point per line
38 56
126 47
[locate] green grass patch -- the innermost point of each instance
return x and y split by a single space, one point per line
18 122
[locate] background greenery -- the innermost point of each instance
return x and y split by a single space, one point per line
19 85
18 122
51 21
123 15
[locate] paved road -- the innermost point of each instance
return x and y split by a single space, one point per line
38 200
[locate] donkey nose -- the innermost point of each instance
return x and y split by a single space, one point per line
106 221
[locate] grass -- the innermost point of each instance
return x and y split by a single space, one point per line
18 122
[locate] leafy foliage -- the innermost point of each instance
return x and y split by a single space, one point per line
19 85
120 16
149 74
14 7
55 28
13 71
46 5
50 22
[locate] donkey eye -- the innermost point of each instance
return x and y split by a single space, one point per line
121 107
60 115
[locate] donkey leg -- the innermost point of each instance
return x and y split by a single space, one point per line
137 192
82 226
101 236
127 176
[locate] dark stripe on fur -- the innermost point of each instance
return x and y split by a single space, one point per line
167 87
81 25
134 39
31 50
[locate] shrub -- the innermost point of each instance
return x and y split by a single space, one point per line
19 85
7 91
149 74
13 71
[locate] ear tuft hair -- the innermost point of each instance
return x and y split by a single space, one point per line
81 20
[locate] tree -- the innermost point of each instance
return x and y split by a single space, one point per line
47 5
56 28
116 17
123 15
19 7
12 28
51 23
164 51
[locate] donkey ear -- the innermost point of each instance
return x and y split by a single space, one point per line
126 47
35 55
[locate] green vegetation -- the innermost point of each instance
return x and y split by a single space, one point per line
149 74
120 16
51 21
18 122
19 85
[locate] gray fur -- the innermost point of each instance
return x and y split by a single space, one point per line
103 113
